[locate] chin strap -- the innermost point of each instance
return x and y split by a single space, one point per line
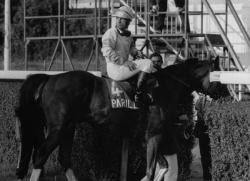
124 33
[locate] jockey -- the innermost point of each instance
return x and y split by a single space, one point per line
118 47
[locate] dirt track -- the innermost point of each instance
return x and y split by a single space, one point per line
196 170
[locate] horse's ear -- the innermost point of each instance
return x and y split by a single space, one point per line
216 63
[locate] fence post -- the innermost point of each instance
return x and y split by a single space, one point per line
7 35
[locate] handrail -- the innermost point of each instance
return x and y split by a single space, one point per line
215 77
238 21
22 74
153 30
224 36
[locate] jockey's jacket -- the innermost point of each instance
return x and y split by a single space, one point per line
116 47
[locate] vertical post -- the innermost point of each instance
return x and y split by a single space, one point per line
147 24
24 37
26 44
226 16
186 34
136 20
202 17
226 30
59 31
59 19
7 35
99 17
95 35
64 27
108 18
112 11
240 91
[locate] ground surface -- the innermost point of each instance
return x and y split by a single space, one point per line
196 173
196 169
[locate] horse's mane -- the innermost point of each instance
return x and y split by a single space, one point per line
191 63
188 70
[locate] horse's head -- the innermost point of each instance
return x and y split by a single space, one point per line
199 74
191 75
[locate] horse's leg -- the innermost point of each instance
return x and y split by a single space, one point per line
160 172
154 138
65 150
56 114
39 140
35 174
172 172
205 151
152 155
24 155
44 151
30 135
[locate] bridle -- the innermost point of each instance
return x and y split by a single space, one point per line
187 85
179 80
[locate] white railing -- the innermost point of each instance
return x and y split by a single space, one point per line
234 79
21 75
228 77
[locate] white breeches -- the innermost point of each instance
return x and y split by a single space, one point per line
122 72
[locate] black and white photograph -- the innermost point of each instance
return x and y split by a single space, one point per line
124 90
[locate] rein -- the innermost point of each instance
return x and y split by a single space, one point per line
179 80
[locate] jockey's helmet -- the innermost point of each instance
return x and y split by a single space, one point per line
124 12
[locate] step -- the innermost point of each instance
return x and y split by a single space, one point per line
216 40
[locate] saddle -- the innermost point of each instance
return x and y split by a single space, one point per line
122 92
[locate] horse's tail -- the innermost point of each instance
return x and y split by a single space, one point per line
31 117
28 98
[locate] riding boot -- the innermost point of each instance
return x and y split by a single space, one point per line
141 96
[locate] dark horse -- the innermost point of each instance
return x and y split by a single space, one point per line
75 96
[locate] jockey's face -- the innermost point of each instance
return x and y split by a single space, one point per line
122 23
157 61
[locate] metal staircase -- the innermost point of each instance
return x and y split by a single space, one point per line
172 35
222 41
215 42
202 46
143 17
